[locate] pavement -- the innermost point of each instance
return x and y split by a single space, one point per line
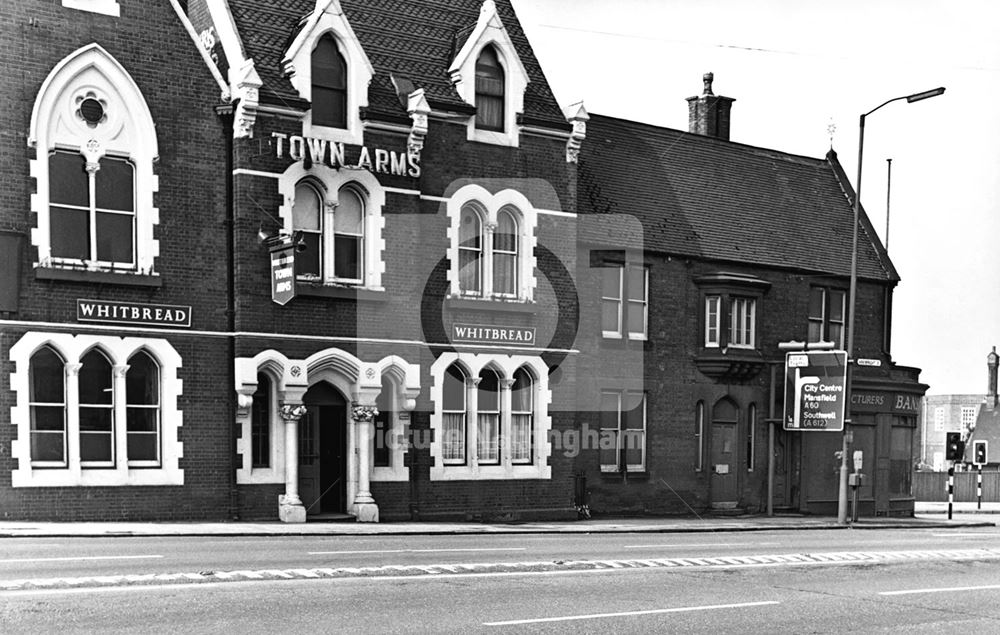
927 515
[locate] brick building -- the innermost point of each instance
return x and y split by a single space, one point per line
316 258
740 248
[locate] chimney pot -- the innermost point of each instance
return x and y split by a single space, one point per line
992 361
708 113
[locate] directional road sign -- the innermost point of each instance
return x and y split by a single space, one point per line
815 390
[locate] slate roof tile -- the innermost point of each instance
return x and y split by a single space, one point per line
719 200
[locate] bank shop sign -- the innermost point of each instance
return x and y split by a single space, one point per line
815 390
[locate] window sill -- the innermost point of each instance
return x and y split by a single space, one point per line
491 304
100 277
360 294
625 476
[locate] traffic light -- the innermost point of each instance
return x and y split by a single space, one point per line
954 448
979 452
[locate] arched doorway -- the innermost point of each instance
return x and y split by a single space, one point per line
323 451
724 455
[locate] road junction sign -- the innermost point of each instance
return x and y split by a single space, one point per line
815 390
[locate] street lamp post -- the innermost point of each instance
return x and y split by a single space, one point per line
842 496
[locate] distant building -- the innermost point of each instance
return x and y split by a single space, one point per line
939 415
987 424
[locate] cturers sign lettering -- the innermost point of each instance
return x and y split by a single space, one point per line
815 390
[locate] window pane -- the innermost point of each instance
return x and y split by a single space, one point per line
47 446
609 316
900 469
95 379
636 318
114 185
454 389
837 334
142 384
70 233
306 208
68 180
489 91
329 85
349 214
837 306
505 235
505 273
521 438
114 237
469 277
142 447
307 262
141 419
95 447
470 229
611 280
453 441
488 438
47 418
380 449
635 412
347 257
609 450
817 296
95 419
521 392
47 371
816 331
260 423
489 391
635 449
636 284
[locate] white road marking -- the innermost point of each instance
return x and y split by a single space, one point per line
968 535
942 590
704 544
334 553
592 616
73 558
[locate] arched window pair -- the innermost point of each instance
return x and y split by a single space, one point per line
503 424
94 402
333 240
329 84
488 255
490 91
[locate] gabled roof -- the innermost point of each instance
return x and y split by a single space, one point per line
711 199
415 39
987 429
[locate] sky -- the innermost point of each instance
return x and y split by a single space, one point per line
796 67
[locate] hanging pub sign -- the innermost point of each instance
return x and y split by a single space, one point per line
815 390
133 313
283 273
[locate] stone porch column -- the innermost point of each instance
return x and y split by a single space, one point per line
365 508
290 508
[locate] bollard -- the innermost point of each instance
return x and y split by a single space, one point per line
951 488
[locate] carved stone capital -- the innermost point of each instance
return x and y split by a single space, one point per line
120 370
291 413
506 383
73 370
363 413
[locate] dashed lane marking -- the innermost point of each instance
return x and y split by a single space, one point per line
506 568
75 558
593 616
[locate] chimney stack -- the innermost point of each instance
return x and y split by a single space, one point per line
708 114
991 389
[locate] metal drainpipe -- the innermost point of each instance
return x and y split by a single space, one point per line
226 113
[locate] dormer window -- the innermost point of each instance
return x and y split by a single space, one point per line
329 85
489 91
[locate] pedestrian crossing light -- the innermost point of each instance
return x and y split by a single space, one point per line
979 452
954 446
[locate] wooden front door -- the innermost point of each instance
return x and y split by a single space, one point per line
323 451
724 455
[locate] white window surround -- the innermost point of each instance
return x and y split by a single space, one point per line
505 365
490 205
397 436
128 131
119 350
104 7
490 31
331 182
328 17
